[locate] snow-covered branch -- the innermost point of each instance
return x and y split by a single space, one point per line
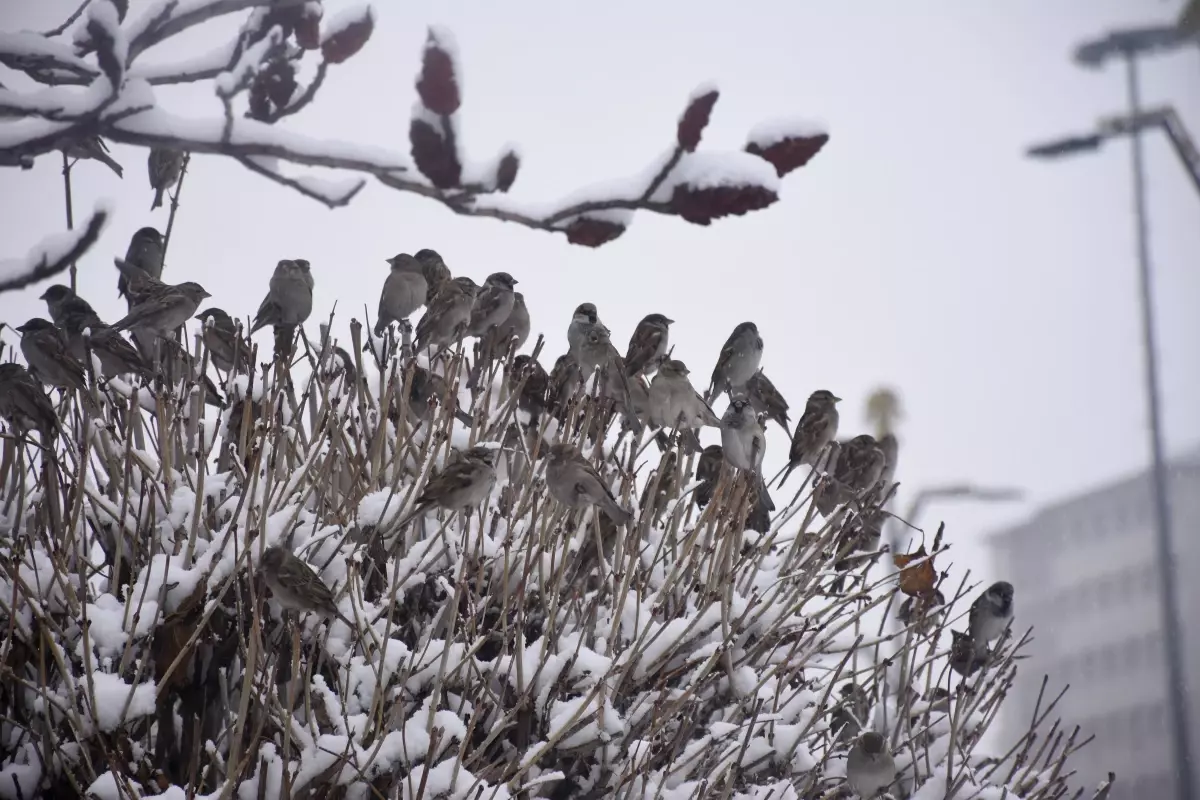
93 85
53 254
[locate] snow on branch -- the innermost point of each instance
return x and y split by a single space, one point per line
53 254
93 85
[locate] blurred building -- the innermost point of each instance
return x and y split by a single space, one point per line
1087 582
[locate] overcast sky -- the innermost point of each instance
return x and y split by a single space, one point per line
919 250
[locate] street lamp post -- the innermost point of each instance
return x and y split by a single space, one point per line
1128 45
923 497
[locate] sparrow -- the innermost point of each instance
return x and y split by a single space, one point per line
144 257
891 450
667 485
528 374
870 768
991 613
117 356
595 352
227 349
435 271
584 319
296 585
462 485
675 403
921 612
93 147
164 165
289 296
648 345
445 318
573 482
24 403
58 297
493 303
739 358
817 427
467 285
163 312
860 464
966 655
46 350
846 718
766 399
404 291
744 444
515 329
708 472
426 391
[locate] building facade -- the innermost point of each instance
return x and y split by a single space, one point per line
1087 582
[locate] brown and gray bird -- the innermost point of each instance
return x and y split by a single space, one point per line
668 485
648 344
846 719
94 148
528 374
675 403
573 482
817 427
143 258
467 285
161 313
435 270
582 321
514 331
966 655
860 464
739 358
446 317
744 443
565 380
289 296
768 400
870 768
47 352
58 297
164 165
991 613
296 585
227 349
493 303
708 472
404 291
461 486
24 403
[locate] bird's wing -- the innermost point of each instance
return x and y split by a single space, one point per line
642 347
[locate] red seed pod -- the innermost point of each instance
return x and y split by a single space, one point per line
342 43
789 153
695 120
592 232
308 27
433 155
506 171
437 84
702 206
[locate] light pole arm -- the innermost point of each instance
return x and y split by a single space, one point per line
1184 146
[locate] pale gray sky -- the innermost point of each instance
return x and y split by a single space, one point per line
920 250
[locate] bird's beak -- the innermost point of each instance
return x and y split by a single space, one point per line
670 322
837 399
515 281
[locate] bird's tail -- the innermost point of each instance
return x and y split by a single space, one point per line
158 194
786 472
615 512
110 162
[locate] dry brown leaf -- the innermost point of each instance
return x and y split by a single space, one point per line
920 579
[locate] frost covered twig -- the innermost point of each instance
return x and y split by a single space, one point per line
94 85
52 255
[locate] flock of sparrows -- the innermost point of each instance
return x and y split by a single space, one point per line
645 387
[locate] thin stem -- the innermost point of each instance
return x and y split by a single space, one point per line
174 205
66 171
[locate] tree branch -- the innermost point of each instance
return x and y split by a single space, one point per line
52 255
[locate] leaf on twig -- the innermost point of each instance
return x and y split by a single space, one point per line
506 171
787 146
347 34
918 580
434 156
593 232
702 205
438 84
695 119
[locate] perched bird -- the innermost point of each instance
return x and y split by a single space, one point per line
435 270
648 344
162 313
675 403
289 296
461 486
668 485
46 350
991 613
296 585
584 319
817 427
426 392
446 317
93 147
860 464
530 376
596 352
493 303
513 331
227 349
870 768
58 297
404 291
565 379
143 258
744 444
470 287
74 315
23 401
575 483
739 358
708 472
767 400
164 165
